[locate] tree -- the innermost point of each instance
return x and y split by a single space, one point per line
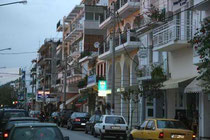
201 44
7 95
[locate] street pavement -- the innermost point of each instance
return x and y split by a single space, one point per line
80 135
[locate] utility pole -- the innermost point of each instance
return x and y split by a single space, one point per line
65 74
113 61
44 99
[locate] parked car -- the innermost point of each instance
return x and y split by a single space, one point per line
5 114
34 114
77 120
111 125
91 123
64 116
55 117
161 129
36 131
16 120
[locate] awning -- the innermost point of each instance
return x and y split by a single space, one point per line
70 100
194 87
175 83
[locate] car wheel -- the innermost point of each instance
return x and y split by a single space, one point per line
92 131
94 134
101 136
86 131
131 137
71 127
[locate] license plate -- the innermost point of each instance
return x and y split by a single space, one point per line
115 127
177 136
83 124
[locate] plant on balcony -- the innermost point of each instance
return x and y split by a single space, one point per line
155 14
201 44
138 21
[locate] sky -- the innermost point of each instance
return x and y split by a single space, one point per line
23 27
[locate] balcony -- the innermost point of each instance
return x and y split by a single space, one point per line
75 32
77 12
90 24
202 5
124 42
172 36
124 8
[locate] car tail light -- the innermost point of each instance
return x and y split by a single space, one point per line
161 135
6 135
77 120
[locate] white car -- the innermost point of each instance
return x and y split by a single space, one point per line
111 125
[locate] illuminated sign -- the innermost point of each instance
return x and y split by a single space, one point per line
102 88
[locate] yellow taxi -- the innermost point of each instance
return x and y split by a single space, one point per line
161 129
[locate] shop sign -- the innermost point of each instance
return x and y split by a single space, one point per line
102 88
179 4
91 79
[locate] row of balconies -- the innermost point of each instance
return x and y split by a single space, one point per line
125 42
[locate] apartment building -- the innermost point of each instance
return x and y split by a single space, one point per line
201 12
46 64
126 59
82 31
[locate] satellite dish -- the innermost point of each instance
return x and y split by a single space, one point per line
96 45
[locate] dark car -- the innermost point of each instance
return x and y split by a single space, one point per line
90 124
77 120
64 116
12 121
6 114
36 131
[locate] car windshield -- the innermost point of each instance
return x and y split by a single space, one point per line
36 133
97 117
8 114
81 114
170 124
114 120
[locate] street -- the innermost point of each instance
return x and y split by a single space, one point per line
79 135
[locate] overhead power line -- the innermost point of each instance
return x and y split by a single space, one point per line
17 53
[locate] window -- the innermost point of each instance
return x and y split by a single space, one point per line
170 124
150 112
143 125
114 120
150 125
89 16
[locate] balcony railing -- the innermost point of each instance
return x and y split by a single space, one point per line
173 31
126 37
74 32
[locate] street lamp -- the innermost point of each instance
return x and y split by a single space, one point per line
5 49
23 2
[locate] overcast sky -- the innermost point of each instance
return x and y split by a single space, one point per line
24 28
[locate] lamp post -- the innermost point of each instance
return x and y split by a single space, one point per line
23 2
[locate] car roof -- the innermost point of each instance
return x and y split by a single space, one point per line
35 125
112 115
162 119
22 118
12 109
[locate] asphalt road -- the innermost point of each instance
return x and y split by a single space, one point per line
80 135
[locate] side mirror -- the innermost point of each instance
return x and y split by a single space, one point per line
137 127
66 138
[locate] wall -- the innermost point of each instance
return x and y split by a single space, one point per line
181 63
